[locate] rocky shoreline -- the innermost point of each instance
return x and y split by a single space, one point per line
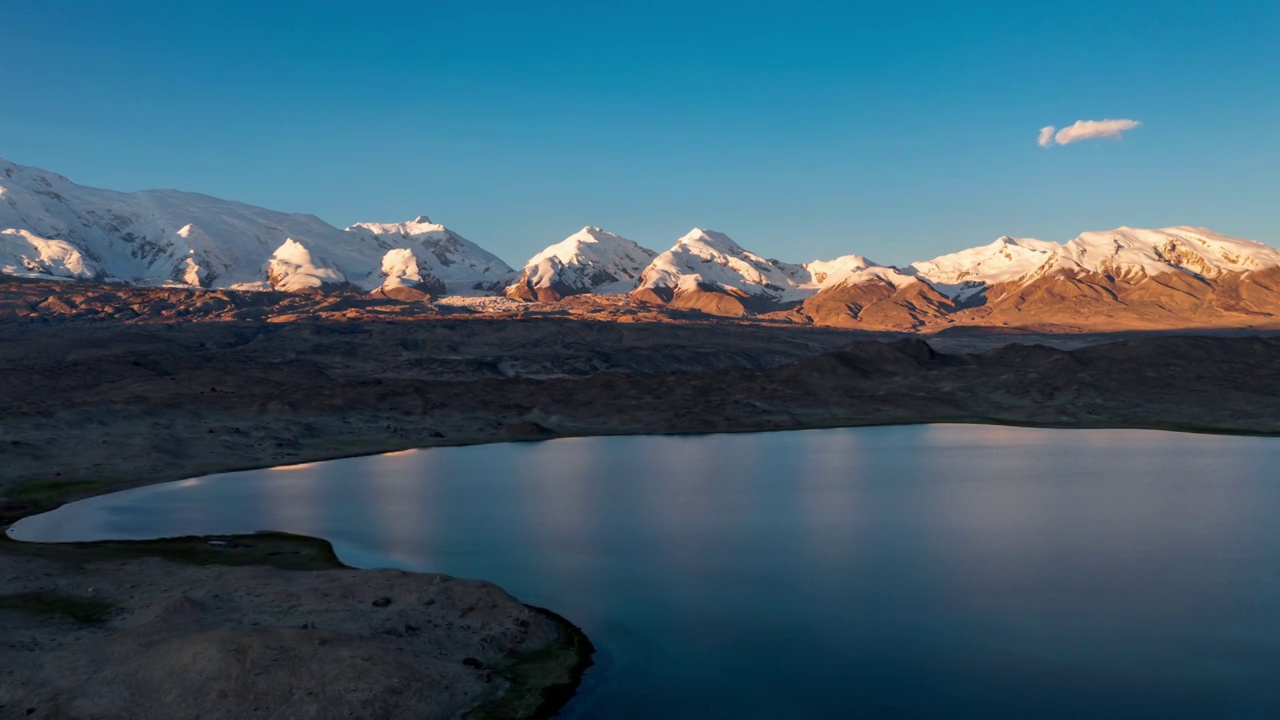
271 625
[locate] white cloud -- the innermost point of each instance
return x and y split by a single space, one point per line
1085 130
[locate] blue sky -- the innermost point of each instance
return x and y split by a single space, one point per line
896 130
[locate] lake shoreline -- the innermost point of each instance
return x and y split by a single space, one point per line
539 693
88 411
75 595
470 482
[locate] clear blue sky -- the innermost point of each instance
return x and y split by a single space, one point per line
899 130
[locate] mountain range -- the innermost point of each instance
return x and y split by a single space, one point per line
1126 278
50 226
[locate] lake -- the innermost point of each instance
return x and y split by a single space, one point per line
916 571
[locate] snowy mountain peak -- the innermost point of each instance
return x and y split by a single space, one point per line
707 270
716 241
588 234
590 260
416 227
821 273
964 274
407 268
463 267
292 268
31 176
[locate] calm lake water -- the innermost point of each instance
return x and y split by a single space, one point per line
925 571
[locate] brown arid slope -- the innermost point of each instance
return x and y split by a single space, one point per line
527 288
703 297
1067 301
25 301
1071 303
1162 301
877 304
523 289
711 299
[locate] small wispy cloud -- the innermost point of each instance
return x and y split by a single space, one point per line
1084 130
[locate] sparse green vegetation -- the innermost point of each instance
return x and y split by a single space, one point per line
273 549
28 497
59 606
542 681
42 489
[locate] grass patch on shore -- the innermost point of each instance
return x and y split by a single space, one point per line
29 497
284 551
59 606
44 489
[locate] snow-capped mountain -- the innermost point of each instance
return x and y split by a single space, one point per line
1132 252
824 273
591 260
708 271
25 253
1142 278
440 258
963 274
853 290
1127 277
52 227
705 270
1125 254
1122 277
850 270
292 268
158 236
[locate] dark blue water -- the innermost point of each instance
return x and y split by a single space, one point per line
928 571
